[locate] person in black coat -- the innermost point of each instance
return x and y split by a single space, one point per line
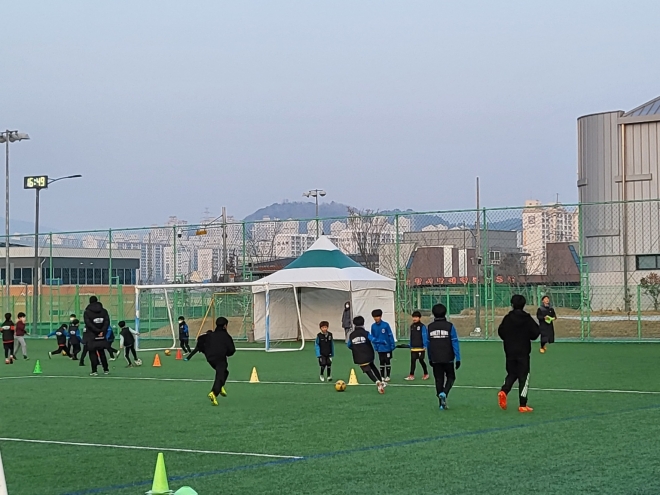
97 322
347 320
546 316
218 346
517 331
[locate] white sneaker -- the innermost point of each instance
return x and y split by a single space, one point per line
381 387
387 379
329 379
321 378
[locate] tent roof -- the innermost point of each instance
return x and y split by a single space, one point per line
324 266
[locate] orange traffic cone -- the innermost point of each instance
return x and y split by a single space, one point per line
178 354
156 361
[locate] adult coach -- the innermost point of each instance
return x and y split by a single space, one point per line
97 322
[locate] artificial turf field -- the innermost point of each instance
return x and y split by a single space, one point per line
581 438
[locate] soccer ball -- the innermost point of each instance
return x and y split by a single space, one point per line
167 352
340 386
138 362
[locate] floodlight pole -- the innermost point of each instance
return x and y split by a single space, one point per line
315 193
7 137
477 295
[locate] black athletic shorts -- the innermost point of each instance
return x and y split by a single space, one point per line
325 361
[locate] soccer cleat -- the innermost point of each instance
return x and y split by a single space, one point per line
129 365
329 379
223 392
525 409
6 361
542 350
25 358
185 359
409 378
387 379
443 400
501 399
321 378
106 372
381 387
93 373
214 399
425 377
50 355
81 363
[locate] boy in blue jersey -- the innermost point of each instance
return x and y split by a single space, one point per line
382 339
110 338
184 335
60 334
441 343
325 349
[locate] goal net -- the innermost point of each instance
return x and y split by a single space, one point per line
260 317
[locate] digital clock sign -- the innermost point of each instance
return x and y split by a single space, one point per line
35 182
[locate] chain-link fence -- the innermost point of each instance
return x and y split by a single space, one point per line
598 263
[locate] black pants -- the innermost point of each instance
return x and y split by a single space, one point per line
194 351
326 362
73 351
547 336
517 369
417 356
112 350
61 349
185 347
371 371
385 360
9 349
85 350
445 376
97 355
221 375
128 349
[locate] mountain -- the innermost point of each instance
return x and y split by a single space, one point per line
25 227
299 210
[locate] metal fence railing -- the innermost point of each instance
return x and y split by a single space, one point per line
599 263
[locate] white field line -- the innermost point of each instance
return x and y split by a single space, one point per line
199 380
137 447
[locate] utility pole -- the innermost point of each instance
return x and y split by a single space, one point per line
477 295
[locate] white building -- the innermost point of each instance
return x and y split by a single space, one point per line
183 264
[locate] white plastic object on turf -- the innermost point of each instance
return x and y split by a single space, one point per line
3 481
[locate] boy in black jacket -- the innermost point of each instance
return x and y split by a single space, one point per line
517 331
60 334
73 347
184 335
417 347
325 349
127 339
359 342
218 346
441 342
8 330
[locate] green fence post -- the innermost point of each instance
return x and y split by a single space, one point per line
639 312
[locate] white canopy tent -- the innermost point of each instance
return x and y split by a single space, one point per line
324 279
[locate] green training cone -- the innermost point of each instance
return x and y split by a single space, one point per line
160 486
185 490
37 368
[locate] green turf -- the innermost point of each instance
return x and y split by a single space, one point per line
356 442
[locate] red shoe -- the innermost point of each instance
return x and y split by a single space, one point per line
381 387
501 399
409 378
425 377
525 409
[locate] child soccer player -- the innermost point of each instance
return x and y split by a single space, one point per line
20 334
417 348
383 340
441 341
127 338
546 316
110 338
184 335
218 347
359 342
325 349
60 334
199 345
8 330
73 347
517 331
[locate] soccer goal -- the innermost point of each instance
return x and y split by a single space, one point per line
261 317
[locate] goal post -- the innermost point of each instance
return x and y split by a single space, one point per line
261 317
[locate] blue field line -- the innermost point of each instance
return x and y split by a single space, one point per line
357 450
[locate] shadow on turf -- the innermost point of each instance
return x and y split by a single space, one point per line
402 443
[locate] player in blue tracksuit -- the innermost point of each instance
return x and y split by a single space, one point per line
382 339
325 349
441 343
184 335
61 335
110 338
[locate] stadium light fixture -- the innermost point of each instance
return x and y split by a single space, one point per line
315 193
7 137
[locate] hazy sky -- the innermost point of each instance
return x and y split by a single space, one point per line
167 107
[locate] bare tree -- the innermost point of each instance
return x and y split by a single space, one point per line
368 232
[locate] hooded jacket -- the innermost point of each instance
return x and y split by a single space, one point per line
8 331
61 334
517 331
359 342
346 318
382 337
97 321
218 345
